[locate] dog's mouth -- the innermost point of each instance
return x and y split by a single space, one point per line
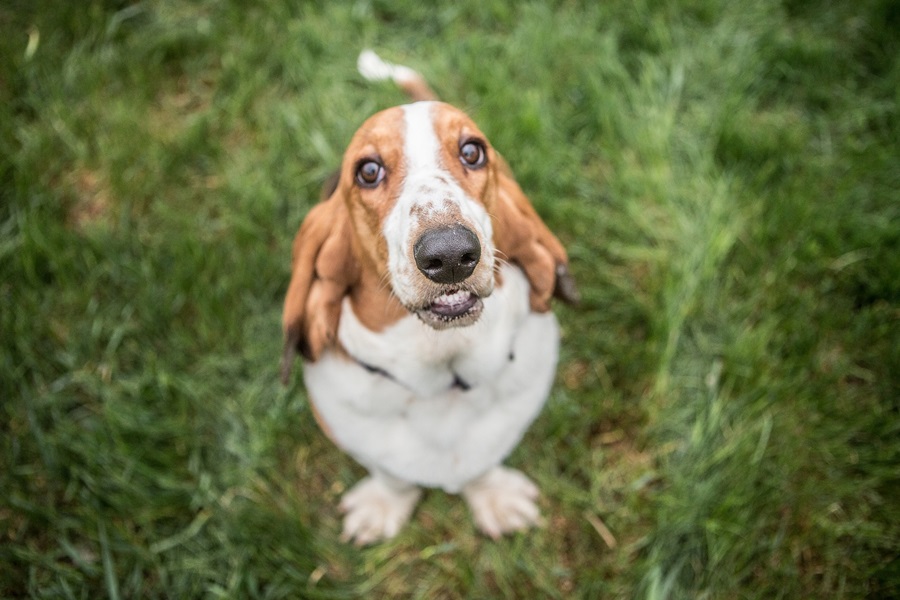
456 308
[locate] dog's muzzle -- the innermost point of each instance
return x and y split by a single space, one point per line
448 256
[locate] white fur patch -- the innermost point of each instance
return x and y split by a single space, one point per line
397 406
420 144
374 68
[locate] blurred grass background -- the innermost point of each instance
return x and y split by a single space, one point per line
726 419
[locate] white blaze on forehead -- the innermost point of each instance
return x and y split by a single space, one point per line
421 145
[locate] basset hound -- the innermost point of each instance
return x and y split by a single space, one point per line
420 302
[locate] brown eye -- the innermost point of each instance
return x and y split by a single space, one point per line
472 154
369 173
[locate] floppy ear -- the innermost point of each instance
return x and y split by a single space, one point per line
523 238
323 269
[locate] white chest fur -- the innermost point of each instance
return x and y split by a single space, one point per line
438 408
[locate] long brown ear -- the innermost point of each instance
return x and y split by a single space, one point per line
523 238
323 269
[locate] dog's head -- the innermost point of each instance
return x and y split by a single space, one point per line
420 204
422 212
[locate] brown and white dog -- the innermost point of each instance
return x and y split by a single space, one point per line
420 302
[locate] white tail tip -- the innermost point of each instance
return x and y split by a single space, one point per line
374 68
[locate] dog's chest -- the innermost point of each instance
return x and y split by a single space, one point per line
438 407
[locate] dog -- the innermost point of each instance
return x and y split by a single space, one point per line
419 300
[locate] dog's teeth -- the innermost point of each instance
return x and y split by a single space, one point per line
453 305
454 298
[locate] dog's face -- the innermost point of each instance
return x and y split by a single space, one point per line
419 184
422 211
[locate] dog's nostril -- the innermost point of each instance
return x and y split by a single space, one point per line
447 255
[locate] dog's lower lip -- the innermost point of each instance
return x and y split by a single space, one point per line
453 304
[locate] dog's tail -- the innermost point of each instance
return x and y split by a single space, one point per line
374 68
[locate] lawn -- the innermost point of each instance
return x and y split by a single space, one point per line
725 175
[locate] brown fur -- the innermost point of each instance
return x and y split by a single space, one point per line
525 240
417 89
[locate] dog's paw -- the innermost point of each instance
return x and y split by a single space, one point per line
375 510
503 500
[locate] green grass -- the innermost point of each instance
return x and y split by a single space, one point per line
726 419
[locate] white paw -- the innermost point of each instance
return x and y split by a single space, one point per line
503 500
376 510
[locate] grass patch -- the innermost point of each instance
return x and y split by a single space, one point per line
725 421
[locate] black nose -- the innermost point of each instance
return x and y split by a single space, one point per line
447 255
